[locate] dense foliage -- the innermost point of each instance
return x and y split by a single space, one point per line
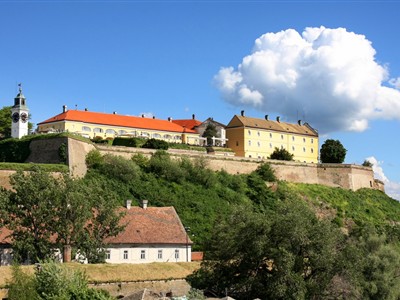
209 133
281 154
52 281
156 144
332 151
47 213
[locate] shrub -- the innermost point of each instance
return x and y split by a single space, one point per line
94 159
281 154
367 163
128 142
14 150
332 151
63 153
156 144
266 172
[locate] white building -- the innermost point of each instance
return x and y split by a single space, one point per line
152 234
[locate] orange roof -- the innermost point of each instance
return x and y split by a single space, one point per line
153 225
117 120
188 124
5 236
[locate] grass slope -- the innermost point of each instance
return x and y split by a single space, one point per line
364 206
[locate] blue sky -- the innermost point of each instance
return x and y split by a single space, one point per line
162 58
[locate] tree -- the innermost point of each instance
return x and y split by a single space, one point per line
332 151
5 122
367 163
209 133
48 212
281 154
289 254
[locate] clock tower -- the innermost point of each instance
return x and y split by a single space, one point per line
20 115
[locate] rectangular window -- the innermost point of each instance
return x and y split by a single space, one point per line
159 254
176 254
108 254
125 254
312 141
143 254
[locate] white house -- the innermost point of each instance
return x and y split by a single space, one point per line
152 234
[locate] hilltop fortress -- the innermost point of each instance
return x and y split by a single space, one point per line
345 176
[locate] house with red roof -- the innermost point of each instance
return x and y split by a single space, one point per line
94 124
151 234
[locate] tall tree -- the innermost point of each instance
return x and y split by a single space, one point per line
5 122
332 151
48 212
209 133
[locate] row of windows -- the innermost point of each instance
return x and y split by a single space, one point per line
271 146
135 133
282 136
142 254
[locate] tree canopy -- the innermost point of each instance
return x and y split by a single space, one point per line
47 212
332 151
281 154
209 133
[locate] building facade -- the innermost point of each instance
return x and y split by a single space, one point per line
94 124
258 138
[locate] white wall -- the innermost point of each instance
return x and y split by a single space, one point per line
151 253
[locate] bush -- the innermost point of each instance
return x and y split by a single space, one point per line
266 172
281 154
94 159
14 150
156 144
128 142
367 163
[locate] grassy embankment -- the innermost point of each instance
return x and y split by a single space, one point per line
119 272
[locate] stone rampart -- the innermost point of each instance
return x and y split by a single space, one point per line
346 176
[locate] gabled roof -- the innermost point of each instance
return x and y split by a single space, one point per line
153 225
242 121
187 123
117 120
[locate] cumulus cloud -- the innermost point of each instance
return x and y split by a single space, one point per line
329 75
392 188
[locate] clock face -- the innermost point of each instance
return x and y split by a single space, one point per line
15 117
24 117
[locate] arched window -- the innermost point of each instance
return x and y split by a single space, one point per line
98 130
177 137
110 131
157 136
167 136
144 134
85 128
121 132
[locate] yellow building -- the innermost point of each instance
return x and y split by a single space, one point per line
258 138
94 124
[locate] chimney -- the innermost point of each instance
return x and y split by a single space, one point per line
299 122
278 119
242 113
169 119
114 112
128 204
266 117
193 116
143 203
142 115
154 117
65 108
86 109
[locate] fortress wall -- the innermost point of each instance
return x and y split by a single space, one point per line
46 150
334 175
77 151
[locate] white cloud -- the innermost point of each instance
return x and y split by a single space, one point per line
391 188
395 82
329 75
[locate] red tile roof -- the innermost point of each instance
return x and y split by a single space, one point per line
5 238
153 225
188 123
117 120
